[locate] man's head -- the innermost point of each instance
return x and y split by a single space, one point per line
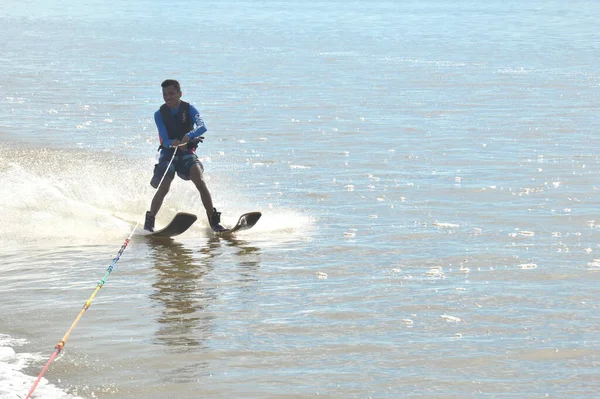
171 92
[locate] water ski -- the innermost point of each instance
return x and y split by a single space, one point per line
180 223
245 222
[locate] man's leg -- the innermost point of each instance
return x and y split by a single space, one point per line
166 176
157 201
196 176
160 195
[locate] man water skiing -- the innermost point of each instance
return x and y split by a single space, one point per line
175 121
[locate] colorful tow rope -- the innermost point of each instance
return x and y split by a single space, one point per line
86 305
58 348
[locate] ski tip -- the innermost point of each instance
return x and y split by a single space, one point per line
245 222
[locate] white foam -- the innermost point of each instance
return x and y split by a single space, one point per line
73 196
272 224
445 225
526 233
66 196
13 382
450 319
526 266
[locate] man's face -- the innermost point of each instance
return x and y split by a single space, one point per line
171 96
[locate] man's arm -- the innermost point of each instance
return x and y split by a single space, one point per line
163 135
200 126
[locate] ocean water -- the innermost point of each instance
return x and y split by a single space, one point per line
428 173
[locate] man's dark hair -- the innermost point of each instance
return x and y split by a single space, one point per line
171 82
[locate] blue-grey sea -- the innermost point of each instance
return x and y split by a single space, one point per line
428 173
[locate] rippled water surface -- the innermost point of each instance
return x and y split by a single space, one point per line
427 173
